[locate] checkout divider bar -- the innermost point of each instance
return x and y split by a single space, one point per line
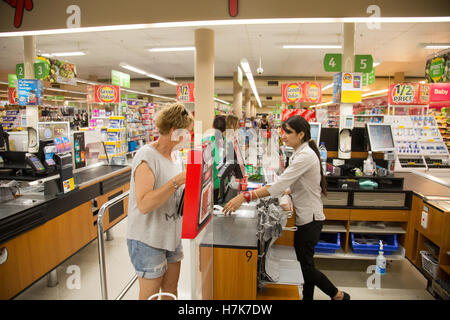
101 248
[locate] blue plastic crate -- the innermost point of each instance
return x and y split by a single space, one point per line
390 243
328 243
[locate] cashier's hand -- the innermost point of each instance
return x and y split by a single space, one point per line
233 204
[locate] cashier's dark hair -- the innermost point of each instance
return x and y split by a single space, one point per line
299 124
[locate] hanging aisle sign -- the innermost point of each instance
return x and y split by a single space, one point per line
185 92
407 93
106 94
363 63
120 79
332 62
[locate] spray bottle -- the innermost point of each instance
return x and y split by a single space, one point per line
381 261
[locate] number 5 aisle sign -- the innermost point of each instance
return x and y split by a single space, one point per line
332 62
363 63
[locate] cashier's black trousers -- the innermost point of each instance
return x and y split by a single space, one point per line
305 239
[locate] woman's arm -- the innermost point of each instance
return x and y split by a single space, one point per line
148 199
237 201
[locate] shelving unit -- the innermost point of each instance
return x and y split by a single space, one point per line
419 142
340 254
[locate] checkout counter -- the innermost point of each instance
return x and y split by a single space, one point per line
55 213
38 231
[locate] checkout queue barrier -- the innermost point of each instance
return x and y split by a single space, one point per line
101 248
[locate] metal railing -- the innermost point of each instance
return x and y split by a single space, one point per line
101 248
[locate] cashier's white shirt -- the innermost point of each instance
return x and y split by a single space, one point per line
302 177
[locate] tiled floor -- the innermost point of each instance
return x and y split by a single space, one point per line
402 281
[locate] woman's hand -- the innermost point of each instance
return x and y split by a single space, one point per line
233 204
180 178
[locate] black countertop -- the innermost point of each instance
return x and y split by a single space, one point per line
31 210
232 232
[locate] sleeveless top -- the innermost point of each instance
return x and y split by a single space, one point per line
160 228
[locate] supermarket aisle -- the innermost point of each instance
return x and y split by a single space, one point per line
402 281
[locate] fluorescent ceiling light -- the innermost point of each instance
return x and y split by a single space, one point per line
145 73
323 104
376 63
227 23
436 45
222 101
312 46
328 86
67 54
173 49
148 94
375 92
248 73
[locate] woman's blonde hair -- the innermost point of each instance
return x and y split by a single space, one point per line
232 121
173 115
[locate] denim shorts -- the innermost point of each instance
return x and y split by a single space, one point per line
150 262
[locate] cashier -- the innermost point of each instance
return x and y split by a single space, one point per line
304 181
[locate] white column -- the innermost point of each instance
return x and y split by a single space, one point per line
347 66
237 96
29 46
204 77
248 109
348 60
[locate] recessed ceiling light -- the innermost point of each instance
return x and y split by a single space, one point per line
312 46
172 49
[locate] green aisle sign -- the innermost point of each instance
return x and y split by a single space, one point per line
120 79
41 70
363 63
12 79
20 71
332 62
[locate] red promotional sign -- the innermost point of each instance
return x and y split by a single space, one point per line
185 92
308 114
12 96
405 93
439 92
199 193
107 94
291 92
312 92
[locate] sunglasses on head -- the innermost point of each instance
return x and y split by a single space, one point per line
184 112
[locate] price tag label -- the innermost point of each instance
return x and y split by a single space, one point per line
332 62
363 63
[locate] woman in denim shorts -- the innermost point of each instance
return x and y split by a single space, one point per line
156 186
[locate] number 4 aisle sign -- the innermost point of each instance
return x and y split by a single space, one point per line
333 62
